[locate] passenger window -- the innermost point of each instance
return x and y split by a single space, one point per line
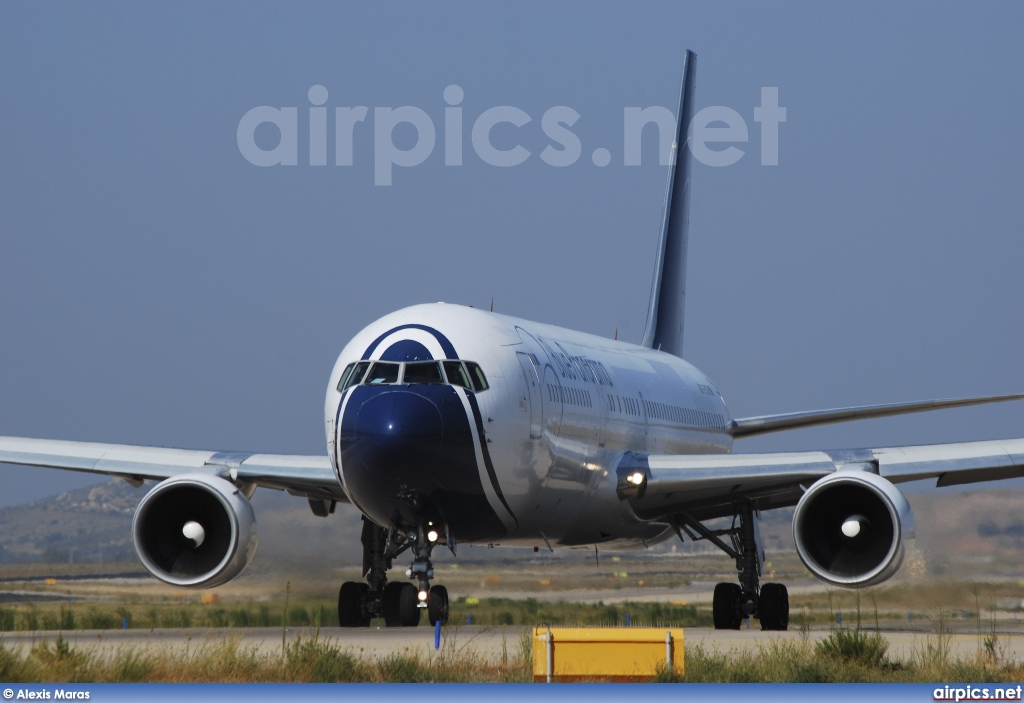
353 376
382 373
477 376
423 372
456 374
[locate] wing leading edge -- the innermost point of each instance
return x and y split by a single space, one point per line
310 476
707 486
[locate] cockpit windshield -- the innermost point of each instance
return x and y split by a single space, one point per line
423 372
381 373
465 374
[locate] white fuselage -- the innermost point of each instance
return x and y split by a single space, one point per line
532 458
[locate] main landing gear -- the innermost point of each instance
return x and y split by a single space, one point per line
734 602
400 604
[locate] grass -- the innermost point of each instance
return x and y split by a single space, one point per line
308 659
850 654
846 655
531 611
853 655
314 613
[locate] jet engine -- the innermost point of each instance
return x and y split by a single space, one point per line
852 529
195 530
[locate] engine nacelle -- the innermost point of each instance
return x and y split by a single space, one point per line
195 530
852 529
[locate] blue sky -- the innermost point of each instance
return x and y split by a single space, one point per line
157 288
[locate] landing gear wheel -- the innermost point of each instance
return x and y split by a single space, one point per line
723 610
408 606
351 600
437 605
390 605
773 607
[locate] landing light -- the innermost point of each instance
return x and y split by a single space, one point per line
636 478
432 536
423 595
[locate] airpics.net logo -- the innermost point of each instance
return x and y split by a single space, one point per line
712 134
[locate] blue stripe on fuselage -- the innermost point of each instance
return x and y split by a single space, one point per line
487 455
446 346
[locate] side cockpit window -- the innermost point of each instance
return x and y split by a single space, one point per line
353 374
423 372
477 375
457 375
382 372
344 377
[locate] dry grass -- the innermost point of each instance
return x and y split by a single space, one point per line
305 659
845 656
323 613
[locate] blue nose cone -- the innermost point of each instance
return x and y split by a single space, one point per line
407 454
392 451
397 427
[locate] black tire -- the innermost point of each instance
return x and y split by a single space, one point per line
723 610
437 605
408 602
773 607
364 596
390 604
350 604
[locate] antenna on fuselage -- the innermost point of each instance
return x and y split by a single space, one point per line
492 303
664 329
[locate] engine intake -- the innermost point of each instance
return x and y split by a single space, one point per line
195 530
852 528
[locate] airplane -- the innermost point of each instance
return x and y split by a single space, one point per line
450 425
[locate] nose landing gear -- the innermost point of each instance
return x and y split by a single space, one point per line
437 605
433 599
400 604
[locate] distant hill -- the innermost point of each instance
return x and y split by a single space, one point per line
90 524
94 525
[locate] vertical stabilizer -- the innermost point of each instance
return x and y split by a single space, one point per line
668 291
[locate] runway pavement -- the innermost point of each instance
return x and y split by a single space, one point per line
484 641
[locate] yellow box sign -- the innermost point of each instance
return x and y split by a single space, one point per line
605 653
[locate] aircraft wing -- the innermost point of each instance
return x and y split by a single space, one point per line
310 476
707 486
750 426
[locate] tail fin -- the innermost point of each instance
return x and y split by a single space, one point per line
668 291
